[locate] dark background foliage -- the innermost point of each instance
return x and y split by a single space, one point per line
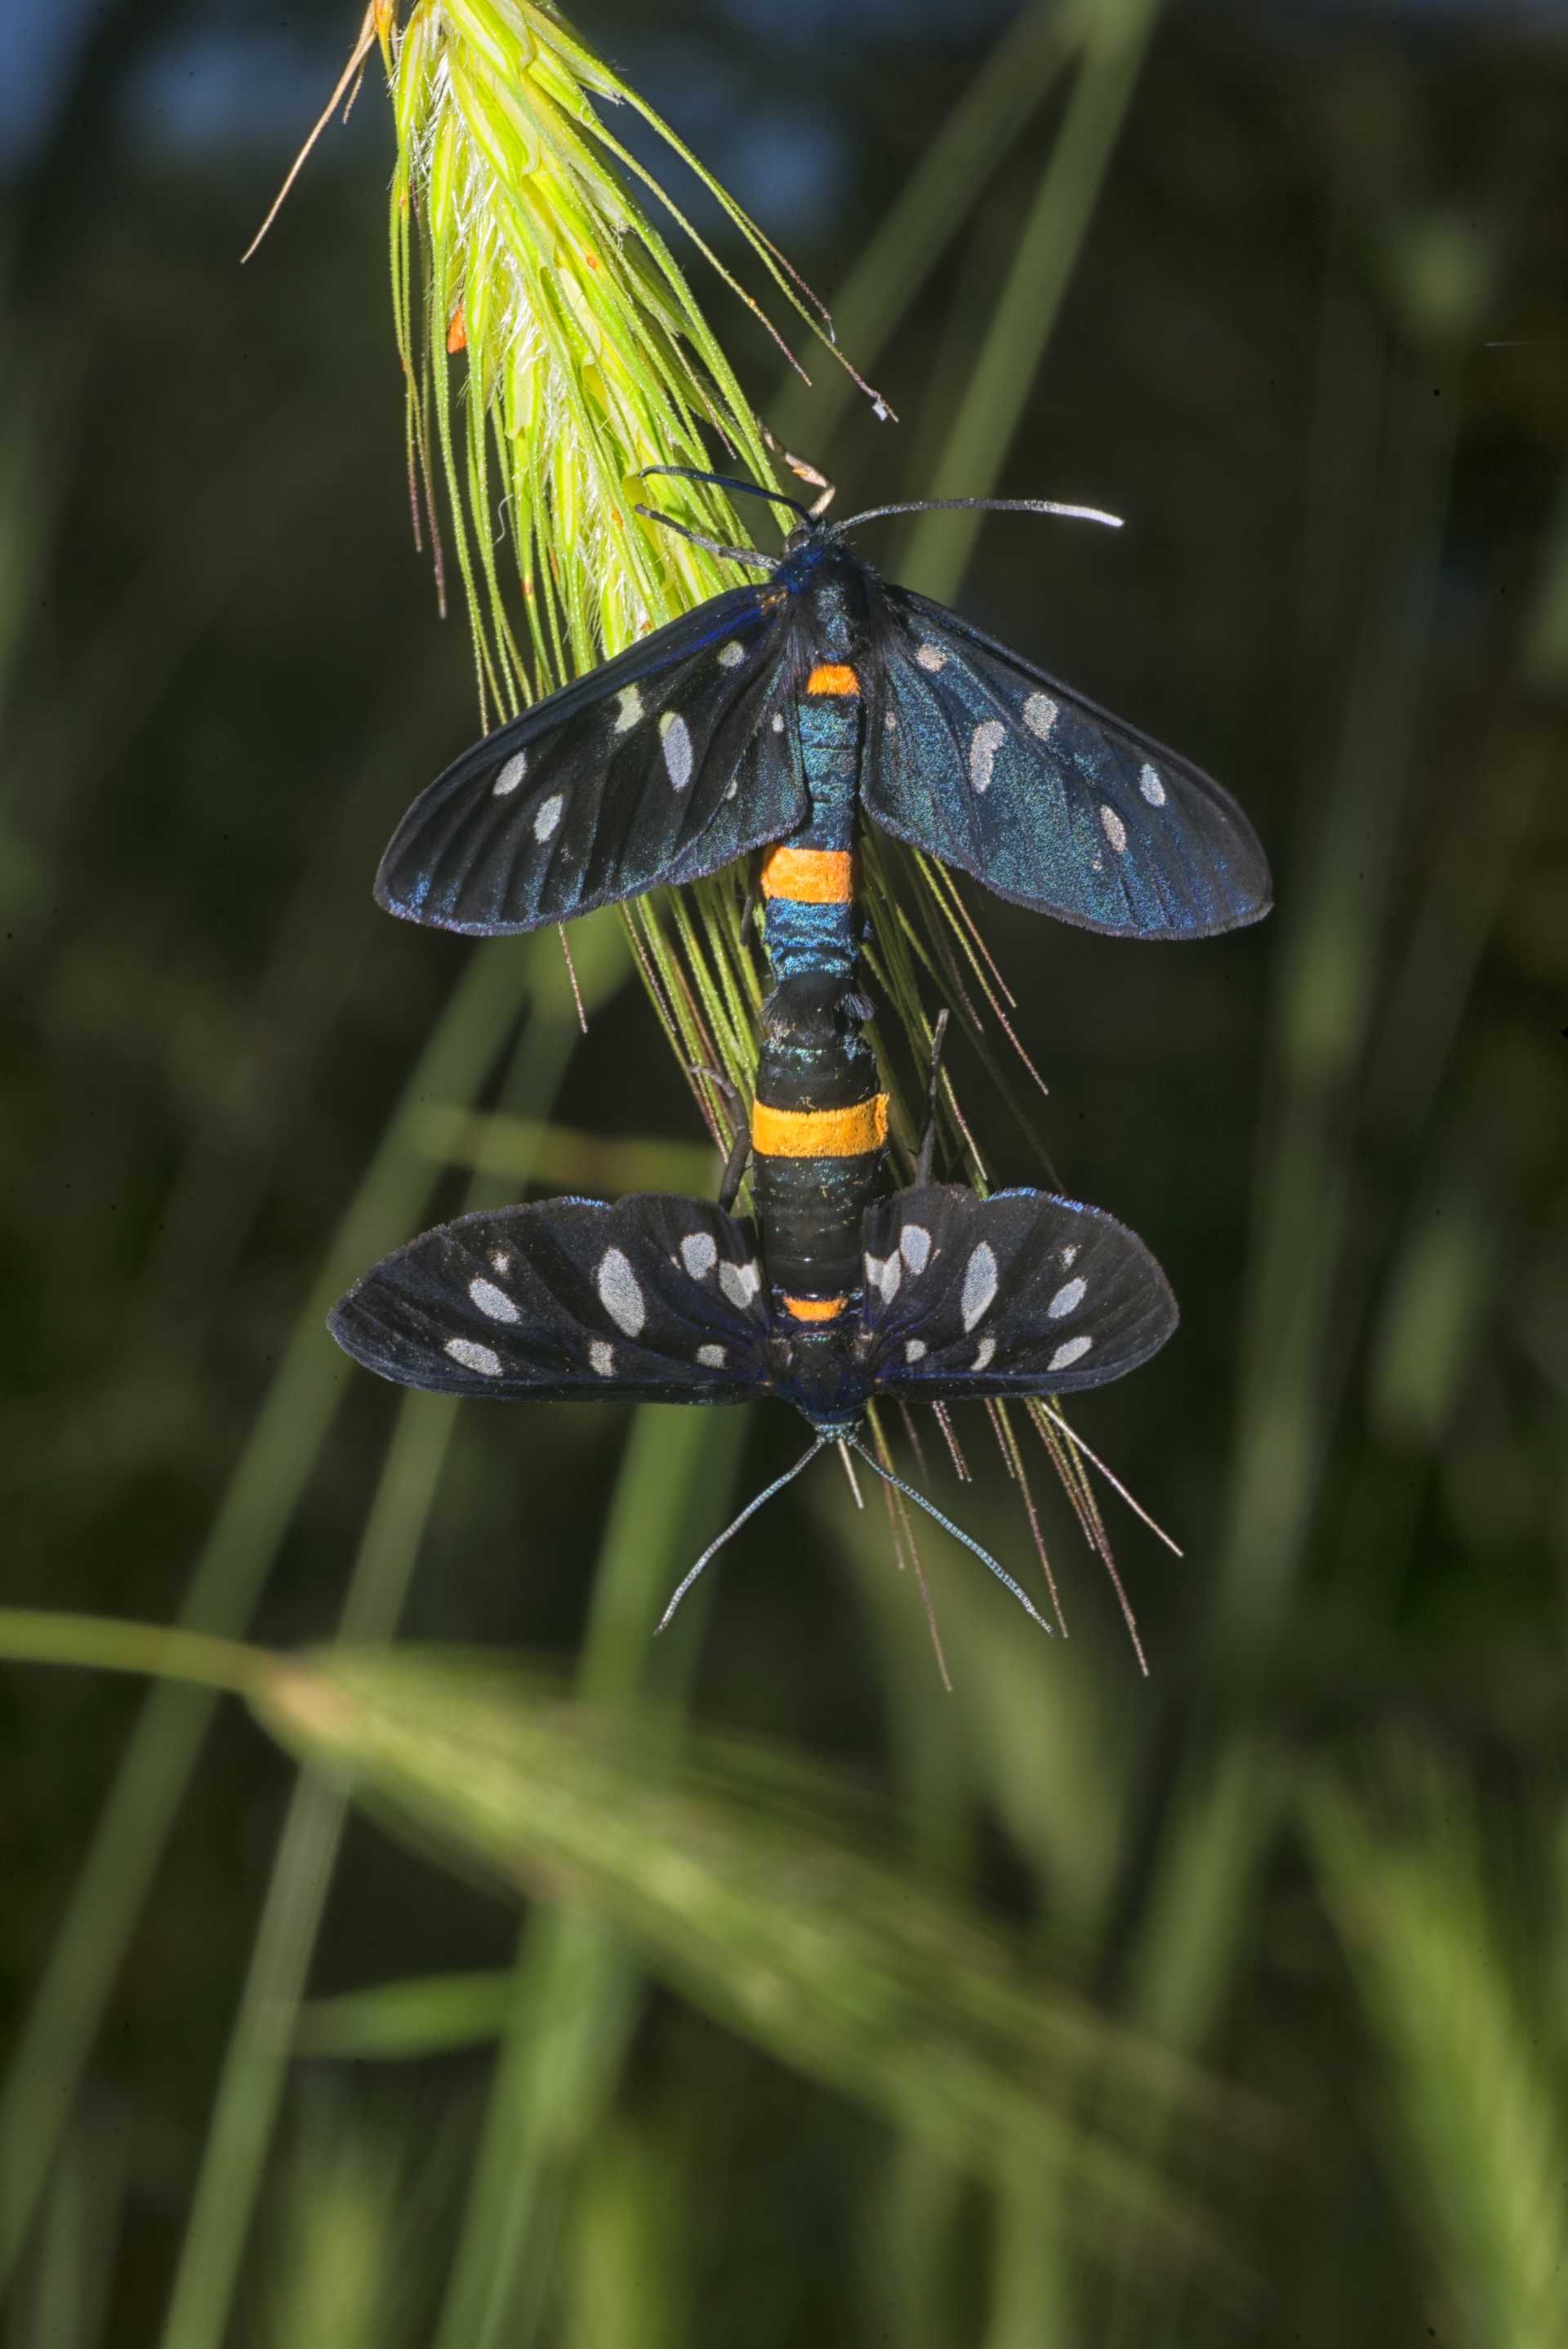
1313 349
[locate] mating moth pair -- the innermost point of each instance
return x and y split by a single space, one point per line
774 720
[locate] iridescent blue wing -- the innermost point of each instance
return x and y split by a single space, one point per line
660 766
655 1299
995 767
1019 1294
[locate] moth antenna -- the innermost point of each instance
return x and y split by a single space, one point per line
981 505
761 1501
701 538
727 482
1019 1593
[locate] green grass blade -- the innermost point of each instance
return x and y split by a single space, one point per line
764 1911
226 1581
934 203
1116 37
403 2021
250 2089
1476 2113
574 1991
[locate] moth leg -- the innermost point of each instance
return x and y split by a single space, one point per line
927 1160
735 1167
736 1163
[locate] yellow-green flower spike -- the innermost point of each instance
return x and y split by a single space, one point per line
551 344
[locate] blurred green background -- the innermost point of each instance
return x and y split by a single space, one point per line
753 1989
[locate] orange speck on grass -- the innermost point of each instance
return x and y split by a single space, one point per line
456 332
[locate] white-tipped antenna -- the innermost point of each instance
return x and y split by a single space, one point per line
1022 1596
751 1510
981 505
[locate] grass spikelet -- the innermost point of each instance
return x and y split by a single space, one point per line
551 344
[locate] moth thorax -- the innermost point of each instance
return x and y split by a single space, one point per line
837 603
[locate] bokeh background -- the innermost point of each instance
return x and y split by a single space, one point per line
1232 1999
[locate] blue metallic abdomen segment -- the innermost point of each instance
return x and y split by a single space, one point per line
803 938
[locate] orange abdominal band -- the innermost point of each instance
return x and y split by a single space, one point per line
829 678
815 1309
820 1133
809 876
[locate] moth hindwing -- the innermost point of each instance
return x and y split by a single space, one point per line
654 1300
1022 1293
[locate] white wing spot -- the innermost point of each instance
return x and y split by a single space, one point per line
602 1358
628 708
1113 828
983 745
677 749
931 656
1150 784
620 1293
779 721
474 1358
512 774
884 1274
1070 1255
500 1260
916 1350
739 1282
914 1245
1067 1300
712 1358
982 1354
731 655
549 816
979 1285
698 1254
1040 714
1073 1351
492 1300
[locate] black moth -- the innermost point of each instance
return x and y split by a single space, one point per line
659 1298
684 753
